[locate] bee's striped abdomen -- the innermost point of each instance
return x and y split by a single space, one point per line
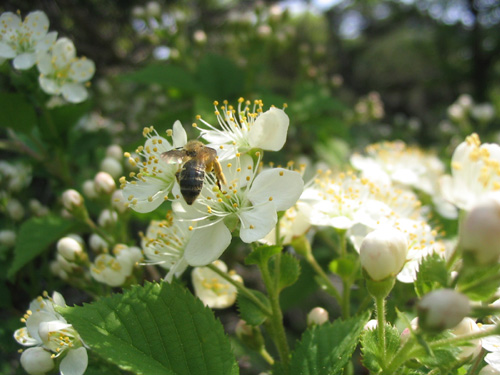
191 179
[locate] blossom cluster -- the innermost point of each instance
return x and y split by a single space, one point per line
28 42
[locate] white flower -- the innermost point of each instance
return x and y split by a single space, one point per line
48 330
37 361
489 369
69 248
164 244
294 223
466 327
213 290
475 170
61 72
251 200
246 128
114 270
383 253
156 177
22 40
492 345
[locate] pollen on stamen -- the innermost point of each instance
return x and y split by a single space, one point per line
169 132
252 227
281 173
190 227
194 125
270 199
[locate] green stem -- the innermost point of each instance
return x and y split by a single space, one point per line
276 321
346 299
400 357
242 289
330 288
380 307
267 357
99 230
456 340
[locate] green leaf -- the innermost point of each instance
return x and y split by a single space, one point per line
432 274
249 311
289 270
219 77
17 113
261 254
35 236
478 282
326 349
371 348
166 75
155 329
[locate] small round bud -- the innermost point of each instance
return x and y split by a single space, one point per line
104 183
97 243
88 188
115 152
69 248
479 233
200 37
107 218
37 208
72 199
36 361
442 309
15 209
112 166
383 253
371 325
317 316
7 238
153 9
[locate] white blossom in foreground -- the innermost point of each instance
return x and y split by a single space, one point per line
475 171
114 270
152 185
213 290
245 128
21 40
47 330
383 253
250 202
62 73
164 245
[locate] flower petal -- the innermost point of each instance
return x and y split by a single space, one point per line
63 52
207 244
74 92
282 186
147 194
82 70
269 130
36 24
179 136
24 61
47 42
10 22
257 222
75 362
49 85
7 51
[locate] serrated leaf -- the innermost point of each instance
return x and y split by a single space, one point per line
432 274
478 282
289 270
249 311
371 348
17 113
326 349
155 329
168 76
35 235
261 254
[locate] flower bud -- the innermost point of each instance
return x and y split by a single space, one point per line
479 233
69 248
112 166
371 325
72 199
115 152
7 238
104 183
383 253
15 209
107 218
118 201
88 188
317 316
97 243
37 361
442 309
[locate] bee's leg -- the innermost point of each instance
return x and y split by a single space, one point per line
218 172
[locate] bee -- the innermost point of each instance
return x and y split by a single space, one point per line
196 159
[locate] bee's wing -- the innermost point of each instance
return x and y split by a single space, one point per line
174 156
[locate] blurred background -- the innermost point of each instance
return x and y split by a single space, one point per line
351 71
